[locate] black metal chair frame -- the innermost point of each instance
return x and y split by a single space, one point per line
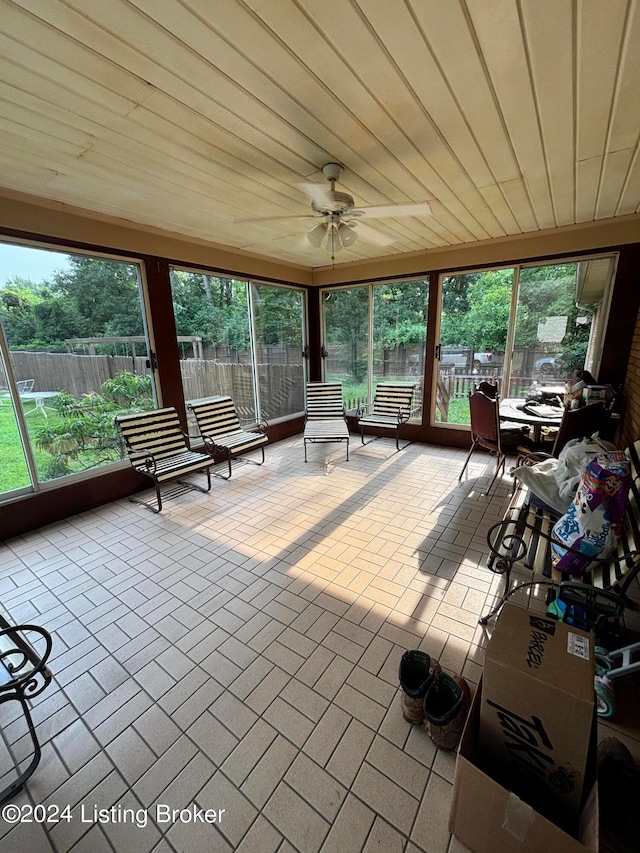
487 433
524 536
24 674
222 432
391 407
159 449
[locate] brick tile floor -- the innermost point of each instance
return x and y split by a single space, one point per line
239 652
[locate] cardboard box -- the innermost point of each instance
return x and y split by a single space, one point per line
537 713
487 817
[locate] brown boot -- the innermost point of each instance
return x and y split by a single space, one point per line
446 705
416 673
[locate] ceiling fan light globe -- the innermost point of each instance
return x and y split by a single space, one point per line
347 235
317 235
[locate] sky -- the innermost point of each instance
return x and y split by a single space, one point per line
27 262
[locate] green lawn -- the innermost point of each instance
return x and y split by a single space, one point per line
14 473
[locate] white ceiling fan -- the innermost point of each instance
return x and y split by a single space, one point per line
342 220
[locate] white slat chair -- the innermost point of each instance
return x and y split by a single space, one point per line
157 447
325 418
222 432
391 407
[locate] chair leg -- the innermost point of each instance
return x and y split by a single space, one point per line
466 461
500 463
12 789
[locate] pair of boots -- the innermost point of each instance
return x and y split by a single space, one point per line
433 698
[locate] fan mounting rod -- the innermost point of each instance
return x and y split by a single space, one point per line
332 202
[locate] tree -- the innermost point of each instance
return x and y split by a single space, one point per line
34 317
346 316
215 309
277 313
105 293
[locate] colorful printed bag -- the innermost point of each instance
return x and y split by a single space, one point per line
593 523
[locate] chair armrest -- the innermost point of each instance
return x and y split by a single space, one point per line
404 416
362 409
29 681
507 546
602 601
259 424
149 460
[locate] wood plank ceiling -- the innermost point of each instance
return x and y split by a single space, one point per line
508 116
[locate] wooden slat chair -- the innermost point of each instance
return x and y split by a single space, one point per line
222 431
391 407
523 538
157 447
325 418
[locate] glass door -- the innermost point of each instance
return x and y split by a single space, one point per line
474 324
558 311
530 329
375 333
346 341
278 326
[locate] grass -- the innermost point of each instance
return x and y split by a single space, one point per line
14 473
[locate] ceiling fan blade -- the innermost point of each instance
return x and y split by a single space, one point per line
394 211
371 235
278 218
316 192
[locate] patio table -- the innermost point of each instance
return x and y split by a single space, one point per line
517 410
38 398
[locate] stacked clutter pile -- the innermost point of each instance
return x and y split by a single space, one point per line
433 698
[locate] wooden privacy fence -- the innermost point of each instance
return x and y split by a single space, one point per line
76 374
281 385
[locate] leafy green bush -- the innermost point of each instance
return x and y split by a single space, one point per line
85 435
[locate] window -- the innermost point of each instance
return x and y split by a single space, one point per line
375 333
74 352
278 314
526 326
240 339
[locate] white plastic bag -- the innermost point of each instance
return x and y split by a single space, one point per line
554 481
572 461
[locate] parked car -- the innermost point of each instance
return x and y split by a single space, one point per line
462 358
547 366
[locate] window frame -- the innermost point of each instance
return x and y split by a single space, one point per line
38 486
